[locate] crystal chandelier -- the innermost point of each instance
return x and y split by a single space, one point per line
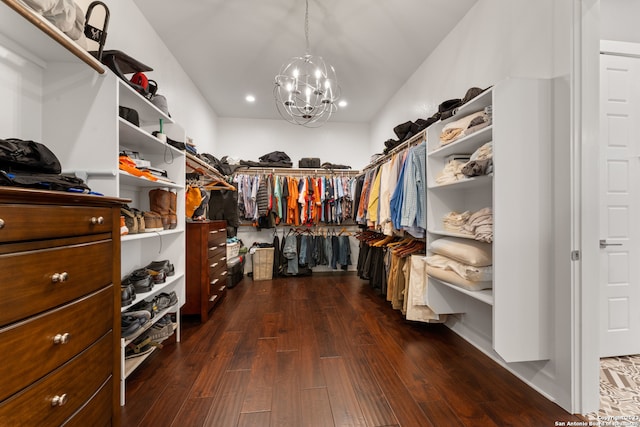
306 89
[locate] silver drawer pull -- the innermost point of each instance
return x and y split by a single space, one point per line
214 281
213 248
222 230
1 223
224 273
222 288
213 265
213 232
98 220
60 277
62 338
223 244
59 400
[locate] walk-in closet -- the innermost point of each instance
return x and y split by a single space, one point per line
319 213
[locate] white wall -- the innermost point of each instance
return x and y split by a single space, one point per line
619 20
495 40
130 32
334 142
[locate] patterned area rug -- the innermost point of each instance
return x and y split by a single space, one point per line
619 391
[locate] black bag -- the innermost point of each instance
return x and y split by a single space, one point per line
43 181
309 162
27 156
130 115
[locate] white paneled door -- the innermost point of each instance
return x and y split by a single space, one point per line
619 205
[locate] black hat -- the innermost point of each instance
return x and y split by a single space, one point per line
447 107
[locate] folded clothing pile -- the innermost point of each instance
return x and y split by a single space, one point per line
478 225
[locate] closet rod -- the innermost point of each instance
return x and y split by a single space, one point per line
414 140
295 171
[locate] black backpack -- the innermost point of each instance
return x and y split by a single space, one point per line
27 156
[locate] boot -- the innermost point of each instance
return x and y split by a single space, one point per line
173 206
159 202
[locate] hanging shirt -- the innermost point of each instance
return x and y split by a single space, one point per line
384 208
374 198
397 198
413 218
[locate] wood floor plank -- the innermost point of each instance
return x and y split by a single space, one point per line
193 412
259 395
311 375
254 419
288 327
405 407
345 407
350 359
373 403
317 408
287 404
227 403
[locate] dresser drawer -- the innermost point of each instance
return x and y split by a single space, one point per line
24 222
35 281
40 343
97 412
217 235
217 251
75 382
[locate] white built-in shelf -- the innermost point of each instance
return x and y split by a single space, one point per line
17 24
149 235
484 295
464 184
443 232
148 113
126 179
465 145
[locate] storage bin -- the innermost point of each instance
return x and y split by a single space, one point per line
262 260
232 250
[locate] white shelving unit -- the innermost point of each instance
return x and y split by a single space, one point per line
513 318
140 249
75 109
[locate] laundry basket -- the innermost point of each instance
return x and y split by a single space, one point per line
262 260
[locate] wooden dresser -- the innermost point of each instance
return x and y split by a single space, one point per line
206 266
59 310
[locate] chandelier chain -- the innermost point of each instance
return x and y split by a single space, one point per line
306 25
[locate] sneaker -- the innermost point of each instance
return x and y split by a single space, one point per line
165 300
140 279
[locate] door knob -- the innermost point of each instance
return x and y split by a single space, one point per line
604 244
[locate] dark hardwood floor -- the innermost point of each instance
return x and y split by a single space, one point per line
324 351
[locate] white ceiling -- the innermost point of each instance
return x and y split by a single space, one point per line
231 48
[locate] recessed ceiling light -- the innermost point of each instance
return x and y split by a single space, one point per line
250 98
342 103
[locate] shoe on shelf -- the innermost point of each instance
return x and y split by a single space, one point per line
127 294
144 308
140 279
130 219
164 265
152 222
140 346
166 300
160 203
130 325
139 215
157 277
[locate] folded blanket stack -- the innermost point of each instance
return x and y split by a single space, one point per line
478 224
